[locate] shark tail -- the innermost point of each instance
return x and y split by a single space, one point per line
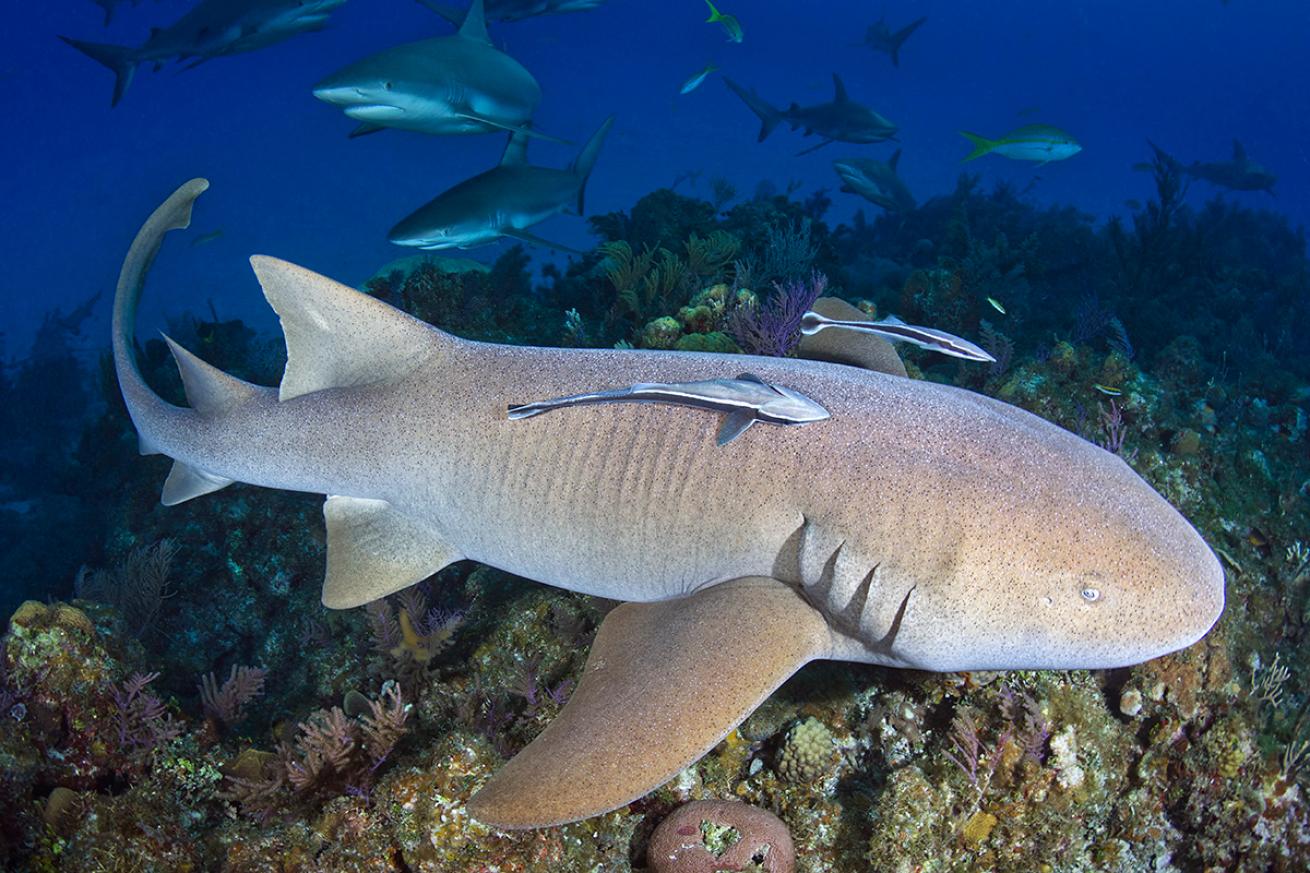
586 159
902 35
769 115
208 389
122 60
981 145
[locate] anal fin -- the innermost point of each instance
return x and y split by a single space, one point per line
664 683
374 550
185 482
855 348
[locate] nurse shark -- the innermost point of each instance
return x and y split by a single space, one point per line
920 525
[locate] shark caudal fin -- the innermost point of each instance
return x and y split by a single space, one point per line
981 145
209 390
769 115
121 59
663 684
586 160
899 38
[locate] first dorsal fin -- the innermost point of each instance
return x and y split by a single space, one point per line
856 348
475 24
839 95
1239 152
336 336
374 550
894 160
516 150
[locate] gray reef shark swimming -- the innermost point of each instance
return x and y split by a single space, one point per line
882 38
210 29
920 526
458 84
1239 174
840 120
504 201
515 10
876 181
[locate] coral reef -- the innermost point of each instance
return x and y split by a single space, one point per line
136 732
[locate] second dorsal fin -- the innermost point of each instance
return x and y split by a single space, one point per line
855 348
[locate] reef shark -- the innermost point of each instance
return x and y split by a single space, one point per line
919 526
504 201
882 38
210 29
448 85
1239 174
840 120
876 181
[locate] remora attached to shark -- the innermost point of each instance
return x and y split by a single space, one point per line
839 120
920 526
210 29
448 85
504 201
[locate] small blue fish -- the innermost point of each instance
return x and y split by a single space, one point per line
695 81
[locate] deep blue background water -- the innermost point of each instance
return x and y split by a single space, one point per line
79 176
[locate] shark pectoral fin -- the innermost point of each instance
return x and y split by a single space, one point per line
736 424
815 147
664 683
510 128
535 240
338 337
856 348
364 128
373 550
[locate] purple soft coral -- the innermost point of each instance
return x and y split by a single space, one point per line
774 329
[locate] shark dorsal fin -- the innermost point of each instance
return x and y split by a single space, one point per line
856 348
208 389
475 24
336 336
839 90
1239 152
374 550
895 159
516 150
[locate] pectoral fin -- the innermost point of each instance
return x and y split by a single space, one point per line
856 348
374 550
535 240
734 426
664 683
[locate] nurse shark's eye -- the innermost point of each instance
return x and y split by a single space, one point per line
1090 594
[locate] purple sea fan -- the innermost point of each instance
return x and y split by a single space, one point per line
774 329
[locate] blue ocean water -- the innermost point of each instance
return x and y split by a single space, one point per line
1165 338
1190 76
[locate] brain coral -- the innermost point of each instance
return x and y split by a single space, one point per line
721 836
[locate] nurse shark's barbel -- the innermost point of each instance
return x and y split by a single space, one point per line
920 526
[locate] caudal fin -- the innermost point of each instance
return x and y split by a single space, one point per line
586 159
901 36
981 145
769 115
121 59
